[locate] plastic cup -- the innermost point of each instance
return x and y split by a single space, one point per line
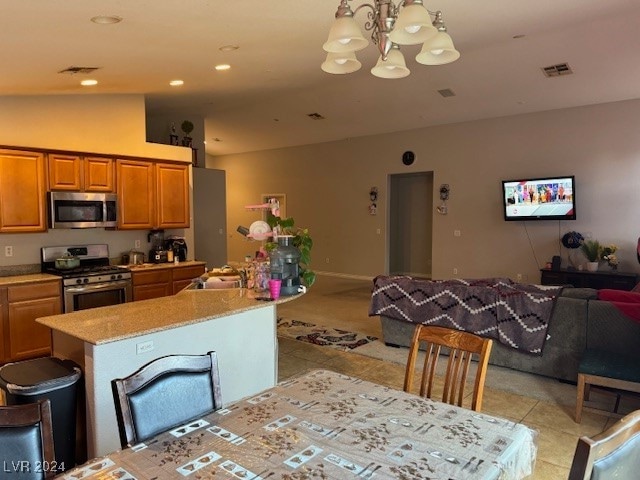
274 287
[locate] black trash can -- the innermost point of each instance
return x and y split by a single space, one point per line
32 380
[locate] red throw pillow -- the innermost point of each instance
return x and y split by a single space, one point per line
618 296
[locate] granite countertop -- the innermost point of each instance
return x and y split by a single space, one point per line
28 278
117 322
159 266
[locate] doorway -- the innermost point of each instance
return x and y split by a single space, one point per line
410 224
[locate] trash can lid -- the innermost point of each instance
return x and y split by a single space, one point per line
40 375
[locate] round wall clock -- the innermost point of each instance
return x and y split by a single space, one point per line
408 157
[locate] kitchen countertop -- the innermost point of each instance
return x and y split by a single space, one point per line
159 266
117 322
29 278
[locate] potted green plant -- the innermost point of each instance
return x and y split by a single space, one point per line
187 128
591 250
301 240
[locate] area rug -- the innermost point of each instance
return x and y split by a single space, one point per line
535 386
323 336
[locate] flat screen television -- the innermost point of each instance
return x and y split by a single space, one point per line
547 198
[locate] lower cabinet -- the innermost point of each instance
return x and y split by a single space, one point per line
182 276
162 282
151 284
23 337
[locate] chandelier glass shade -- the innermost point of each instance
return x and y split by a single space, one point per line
339 63
391 25
393 67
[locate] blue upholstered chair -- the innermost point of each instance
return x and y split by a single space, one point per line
165 393
26 441
613 454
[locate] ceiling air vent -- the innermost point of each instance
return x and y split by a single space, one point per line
315 116
447 92
74 70
557 70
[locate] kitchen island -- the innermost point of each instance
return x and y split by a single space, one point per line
114 341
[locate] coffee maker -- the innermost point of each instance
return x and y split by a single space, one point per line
158 252
179 247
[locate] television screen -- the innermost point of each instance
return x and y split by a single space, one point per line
550 198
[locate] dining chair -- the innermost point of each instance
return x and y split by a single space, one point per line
26 439
612 454
462 347
165 393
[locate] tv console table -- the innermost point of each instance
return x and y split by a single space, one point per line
584 279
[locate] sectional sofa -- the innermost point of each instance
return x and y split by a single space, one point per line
578 320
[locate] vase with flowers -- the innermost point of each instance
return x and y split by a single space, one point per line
608 254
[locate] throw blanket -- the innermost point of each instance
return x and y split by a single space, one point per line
516 315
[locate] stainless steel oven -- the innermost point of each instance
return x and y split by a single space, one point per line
94 283
97 294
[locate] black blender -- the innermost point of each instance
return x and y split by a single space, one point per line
158 252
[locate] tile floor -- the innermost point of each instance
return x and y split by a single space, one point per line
344 303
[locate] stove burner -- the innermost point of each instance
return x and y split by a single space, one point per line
83 271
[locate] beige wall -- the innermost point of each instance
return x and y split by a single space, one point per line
108 124
327 189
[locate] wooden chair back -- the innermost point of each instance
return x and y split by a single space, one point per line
614 453
166 393
462 347
26 441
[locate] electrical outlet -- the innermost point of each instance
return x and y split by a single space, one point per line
455 270
519 277
456 233
8 251
137 244
378 231
326 260
144 347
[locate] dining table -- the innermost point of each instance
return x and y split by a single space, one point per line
327 425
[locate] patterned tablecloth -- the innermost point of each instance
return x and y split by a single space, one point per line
325 425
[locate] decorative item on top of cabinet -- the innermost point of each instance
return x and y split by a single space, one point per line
76 173
166 202
22 192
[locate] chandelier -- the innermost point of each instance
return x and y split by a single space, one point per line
391 25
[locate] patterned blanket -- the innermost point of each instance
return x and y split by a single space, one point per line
516 315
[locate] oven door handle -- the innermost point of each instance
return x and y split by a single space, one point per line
98 287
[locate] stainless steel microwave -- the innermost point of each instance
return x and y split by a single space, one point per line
82 210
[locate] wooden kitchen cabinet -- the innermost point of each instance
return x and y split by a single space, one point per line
80 174
152 195
162 281
182 276
24 337
136 195
22 192
152 284
172 195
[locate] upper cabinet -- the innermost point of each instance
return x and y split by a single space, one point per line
172 195
152 195
22 192
80 174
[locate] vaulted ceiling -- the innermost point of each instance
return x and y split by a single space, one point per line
275 80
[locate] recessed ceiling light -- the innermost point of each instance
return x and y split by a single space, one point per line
106 19
176 83
228 48
223 66
88 82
